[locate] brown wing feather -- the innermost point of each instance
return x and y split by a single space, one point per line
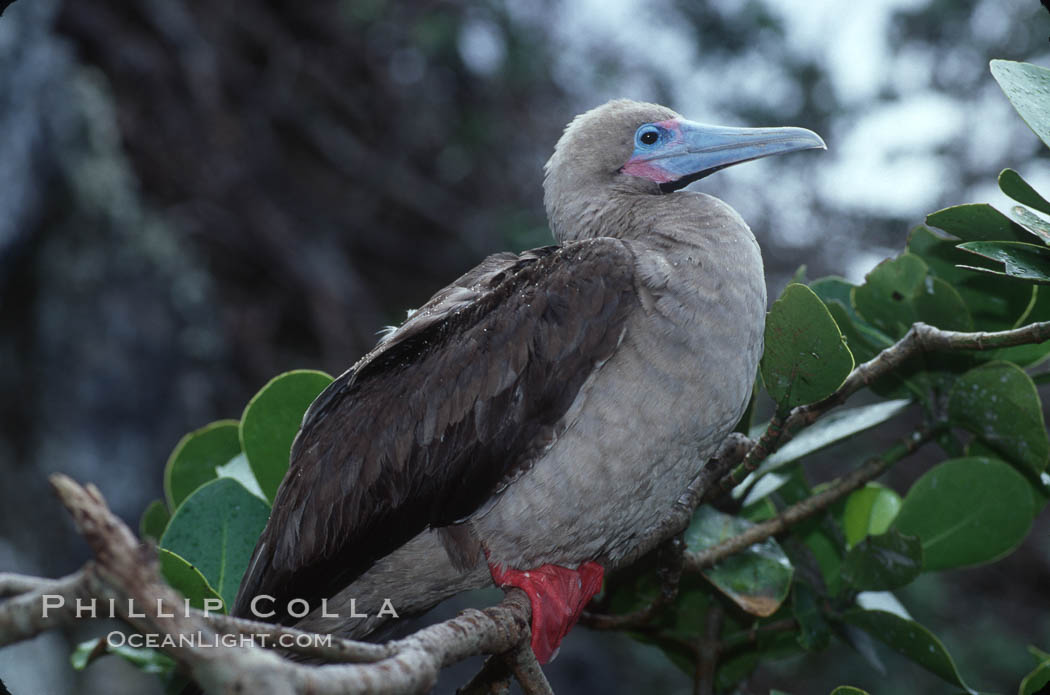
424 428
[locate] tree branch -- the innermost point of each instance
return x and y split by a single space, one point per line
920 338
836 490
126 571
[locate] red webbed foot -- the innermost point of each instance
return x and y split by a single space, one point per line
558 596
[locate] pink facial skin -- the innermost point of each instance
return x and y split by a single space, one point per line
641 165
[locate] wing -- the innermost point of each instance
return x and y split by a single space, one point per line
425 428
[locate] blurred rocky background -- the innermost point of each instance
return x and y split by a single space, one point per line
195 196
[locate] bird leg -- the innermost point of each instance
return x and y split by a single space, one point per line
558 596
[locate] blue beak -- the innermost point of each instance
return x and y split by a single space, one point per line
676 152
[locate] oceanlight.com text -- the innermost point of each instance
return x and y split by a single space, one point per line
116 639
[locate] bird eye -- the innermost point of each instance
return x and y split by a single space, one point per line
648 135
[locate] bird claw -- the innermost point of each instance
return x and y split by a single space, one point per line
557 595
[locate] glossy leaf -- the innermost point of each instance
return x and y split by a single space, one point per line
1039 227
187 579
862 339
1027 355
883 562
827 551
805 358
240 470
910 639
215 530
885 298
999 403
967 511
194 459
1027 87
833 428
995 302
757 579
977 222
271 421
154 520
834 288
814 632
1019 260
848 690
939 304
869 511
1035 682
1017 188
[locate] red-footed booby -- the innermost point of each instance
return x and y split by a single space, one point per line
538 416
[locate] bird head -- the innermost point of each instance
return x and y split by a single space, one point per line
632 147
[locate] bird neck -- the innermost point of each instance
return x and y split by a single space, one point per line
663 221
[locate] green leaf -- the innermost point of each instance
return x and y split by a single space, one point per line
939 304
999 403
192 463
839 425
215 530
757 579
977 222
848 690
1032 222
1027 87
911 639
833 288
827 551
1019 260
1035 682
154 520
1017 188
967 511
814 634
883 562
1027 355
188 580
995 303
869 511
146 659
806 357
240 470
271 421
885 298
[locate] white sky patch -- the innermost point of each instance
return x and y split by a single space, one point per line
852 44
887 162
615 26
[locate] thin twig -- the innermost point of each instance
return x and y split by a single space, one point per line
800 511
766 445
669 572
919 339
